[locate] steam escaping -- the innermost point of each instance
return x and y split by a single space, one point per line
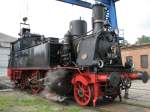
54 80
56 85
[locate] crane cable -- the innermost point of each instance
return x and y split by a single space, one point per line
24 8
27 8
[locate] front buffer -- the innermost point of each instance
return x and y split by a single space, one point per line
89 87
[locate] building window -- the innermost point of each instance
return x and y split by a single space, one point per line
144 61
129 58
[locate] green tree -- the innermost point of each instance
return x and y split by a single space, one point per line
143 39
124 43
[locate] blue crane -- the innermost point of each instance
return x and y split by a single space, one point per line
110 4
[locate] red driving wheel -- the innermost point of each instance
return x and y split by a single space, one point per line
82 93
23 84
35 84
35 89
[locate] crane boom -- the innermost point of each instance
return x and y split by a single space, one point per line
110 4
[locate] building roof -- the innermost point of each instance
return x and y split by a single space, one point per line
6 38
136 46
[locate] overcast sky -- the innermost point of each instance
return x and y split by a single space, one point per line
51 18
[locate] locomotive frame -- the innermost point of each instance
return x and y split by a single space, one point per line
93 74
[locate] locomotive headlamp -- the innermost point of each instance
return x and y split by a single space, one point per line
83 56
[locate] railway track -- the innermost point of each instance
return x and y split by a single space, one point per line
134 104
135 101
141 89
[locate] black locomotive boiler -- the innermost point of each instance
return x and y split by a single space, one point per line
85 64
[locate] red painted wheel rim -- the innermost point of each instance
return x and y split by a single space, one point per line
36 90
82 93
36 86
23 84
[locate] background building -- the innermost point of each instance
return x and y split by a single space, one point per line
139 54
5 41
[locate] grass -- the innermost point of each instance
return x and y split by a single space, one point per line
19 103
5 102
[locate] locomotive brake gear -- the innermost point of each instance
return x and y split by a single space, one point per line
125 83
126 94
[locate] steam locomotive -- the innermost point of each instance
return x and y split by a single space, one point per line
85 64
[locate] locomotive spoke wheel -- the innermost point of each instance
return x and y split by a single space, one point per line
82 94
36 89
16 84
35 84
23 84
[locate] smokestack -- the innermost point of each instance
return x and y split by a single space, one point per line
98 17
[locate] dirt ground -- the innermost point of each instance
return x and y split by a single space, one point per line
17 101
139 100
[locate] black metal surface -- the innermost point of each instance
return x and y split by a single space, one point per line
114 79
41 55
78 27
100 46
100 49
98 17
27 42
86 47
94 48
